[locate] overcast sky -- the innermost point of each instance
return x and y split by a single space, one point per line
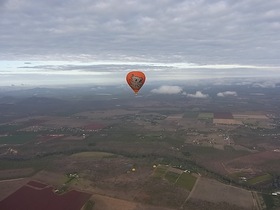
89 40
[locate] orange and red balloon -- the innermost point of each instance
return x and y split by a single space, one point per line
135 79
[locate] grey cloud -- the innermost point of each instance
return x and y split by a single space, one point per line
2 3
198 94
167 89
227 93
195 31
265 84
111 67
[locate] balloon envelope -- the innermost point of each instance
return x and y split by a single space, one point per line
135 79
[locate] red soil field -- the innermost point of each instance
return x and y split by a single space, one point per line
29 198
93 126
34 122
42 139
223 115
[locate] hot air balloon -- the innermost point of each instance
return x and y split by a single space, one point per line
135 79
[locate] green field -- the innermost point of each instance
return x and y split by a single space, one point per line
89 205
94 155
237 176
205 115
186 181
171 176
9 128
260 179
18 138
190 114
36 164
160 171
213 153
271 202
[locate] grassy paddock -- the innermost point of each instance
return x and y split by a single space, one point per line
236 176
16 173
171 176
160 171
89 205
205 115
37 163
260 179
93 155
18 138
186 181
9 128
190 114
271 202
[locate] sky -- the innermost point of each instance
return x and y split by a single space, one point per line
99 42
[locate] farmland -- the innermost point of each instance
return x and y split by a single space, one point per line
145 152
38 196
175 176
186 181
223 193
17 139
16 173
260 179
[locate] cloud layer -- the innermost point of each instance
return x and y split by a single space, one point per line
227 93
202 31
167 89
84 41
198 94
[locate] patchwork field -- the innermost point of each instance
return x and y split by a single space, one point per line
154 152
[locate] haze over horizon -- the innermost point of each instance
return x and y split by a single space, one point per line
98 42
